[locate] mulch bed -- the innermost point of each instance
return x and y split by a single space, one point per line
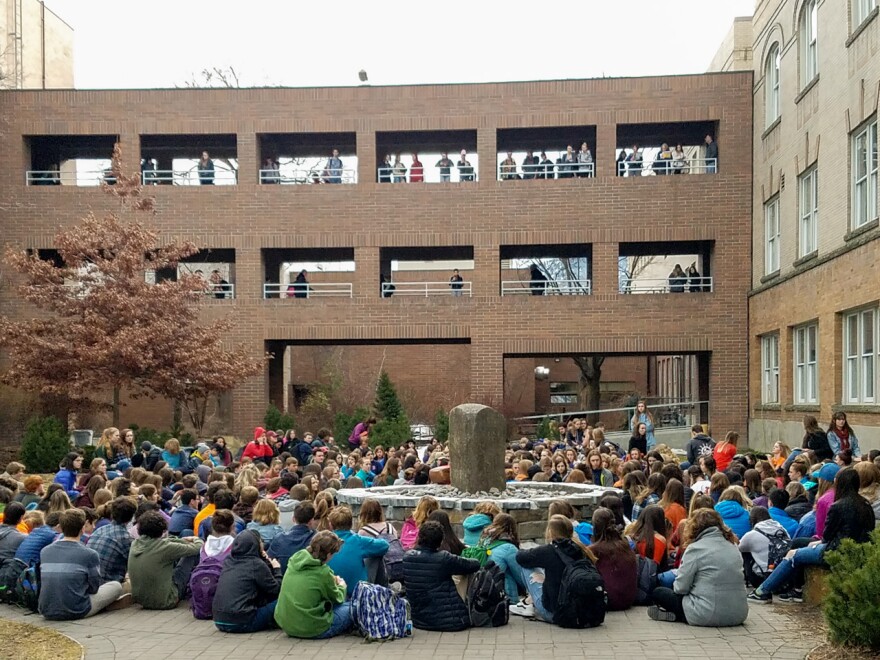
26 642
809 618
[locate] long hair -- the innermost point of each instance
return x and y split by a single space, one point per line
636 415
504 528
634 482
426 506
323 506
832 425
606 532
846 484
673 494
656 486
559 528
737 494
651 522
811 425
451 543
106 437
700 521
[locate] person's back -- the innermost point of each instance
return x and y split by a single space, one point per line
29 551
473 526
113 542
10 537
735 516
182 519
247 584
348 563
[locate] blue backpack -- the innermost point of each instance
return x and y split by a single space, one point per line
379 614
27 588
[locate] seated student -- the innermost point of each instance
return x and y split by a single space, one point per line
311 603
708 589
155 583
297 538
39 536
33 492
222 534
778 500
209 506
849 517
348 562
544 594
756 545
113 542
648 534
70 575
479 520
501 538
68 473
183 517
265 521
432 594
615 561
10 537
410 531
247 590
223 500
798 503
365 474
247 499
733 507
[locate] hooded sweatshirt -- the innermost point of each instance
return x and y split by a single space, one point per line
348 563
217 545
151 565
308 593
246 583
734 516
758 543
780 516
699 445
474 525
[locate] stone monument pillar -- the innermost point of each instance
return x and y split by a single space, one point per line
477 440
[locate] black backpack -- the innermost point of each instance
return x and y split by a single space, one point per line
10 569
582 598
488 603
778 545
647 574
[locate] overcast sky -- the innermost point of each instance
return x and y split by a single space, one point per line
163 43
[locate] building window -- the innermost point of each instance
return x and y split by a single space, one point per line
860 356
771 236
771 85
808 229
809 42
770 369
563 393
861 9
806 370
864 149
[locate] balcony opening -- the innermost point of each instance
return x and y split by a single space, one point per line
426 156
69 160
547 152
216 267
307 158
189 160
426 271
546 270
640 149
303 273
666 267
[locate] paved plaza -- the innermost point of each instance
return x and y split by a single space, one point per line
135 634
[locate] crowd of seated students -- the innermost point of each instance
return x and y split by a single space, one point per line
287 555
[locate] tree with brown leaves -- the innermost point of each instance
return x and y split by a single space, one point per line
104 328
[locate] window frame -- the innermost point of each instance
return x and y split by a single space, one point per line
808 211
770 368
805 349
772 243
861 9
772 85
808 38
860 361
864 187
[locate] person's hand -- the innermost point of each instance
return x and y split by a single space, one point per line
813 544
274 563
340 581
790 554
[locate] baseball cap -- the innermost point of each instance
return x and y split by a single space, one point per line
827 472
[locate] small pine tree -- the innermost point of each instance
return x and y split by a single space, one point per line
45 444
852 607
547 429
390 432
387 404
441 426
275 419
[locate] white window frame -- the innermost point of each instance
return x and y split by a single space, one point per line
809 42
864 169
772 236
770 368
861 9
806 365
808 211
771 85
860 356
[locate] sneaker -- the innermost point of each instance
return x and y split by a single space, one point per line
522 609
793 596
755 598
659 614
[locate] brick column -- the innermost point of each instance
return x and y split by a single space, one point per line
486 276
487 372
130 143
604 153
248 160
249 398
487 149
366 153
249 275
605 271
366 272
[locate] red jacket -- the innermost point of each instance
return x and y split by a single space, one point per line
254 451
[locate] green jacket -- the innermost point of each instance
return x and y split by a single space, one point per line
151 570
308 594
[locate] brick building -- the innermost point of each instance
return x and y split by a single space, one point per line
254 232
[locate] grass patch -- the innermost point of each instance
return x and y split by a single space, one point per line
27 642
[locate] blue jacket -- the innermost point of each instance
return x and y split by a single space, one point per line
806 526
366 477
173 460
286 545
853 443
504 556
29 550
182 518
205 527
348 563
67 478
474 525
780 516
735 517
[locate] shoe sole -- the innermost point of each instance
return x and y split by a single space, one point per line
658 614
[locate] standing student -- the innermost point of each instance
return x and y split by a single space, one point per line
206 170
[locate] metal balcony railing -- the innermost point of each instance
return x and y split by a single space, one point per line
67 178
221 177
546 171
546 287
456 174
308 176
661 167
218 291
669 285
425 289
310 290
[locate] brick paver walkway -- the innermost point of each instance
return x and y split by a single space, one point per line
135 634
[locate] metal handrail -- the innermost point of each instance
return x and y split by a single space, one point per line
669 285
661 166
219 291
75 178
547 287
583 413
546 171
387 175
309 290
191 177
426 289
314 175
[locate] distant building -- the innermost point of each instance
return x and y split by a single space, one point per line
36 47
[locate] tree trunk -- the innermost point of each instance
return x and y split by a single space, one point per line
116 406
590 394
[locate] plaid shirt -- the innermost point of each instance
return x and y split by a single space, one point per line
112 543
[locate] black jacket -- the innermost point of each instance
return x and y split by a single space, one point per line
547 557
246 583
798 507
435 603
848 518
818 442
700 445
641 443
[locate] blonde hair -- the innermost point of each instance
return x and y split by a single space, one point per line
736 494
248 476
101 497
173 446
266 513
106 436
560 527
33 519
487 508
426 506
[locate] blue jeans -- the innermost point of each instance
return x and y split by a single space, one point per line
666 579
342 621
536 592
263 619
786 570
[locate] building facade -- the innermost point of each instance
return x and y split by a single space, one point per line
813 306
36 47
259 235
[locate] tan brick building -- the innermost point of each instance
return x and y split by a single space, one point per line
254 229
813 320
36 47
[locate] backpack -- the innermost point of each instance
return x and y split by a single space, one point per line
582 599
27 588
487 600
647 580
409 534
481 552
394 557
10 569
203 584
380 614
778 545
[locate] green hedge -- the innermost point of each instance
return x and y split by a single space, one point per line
852 608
